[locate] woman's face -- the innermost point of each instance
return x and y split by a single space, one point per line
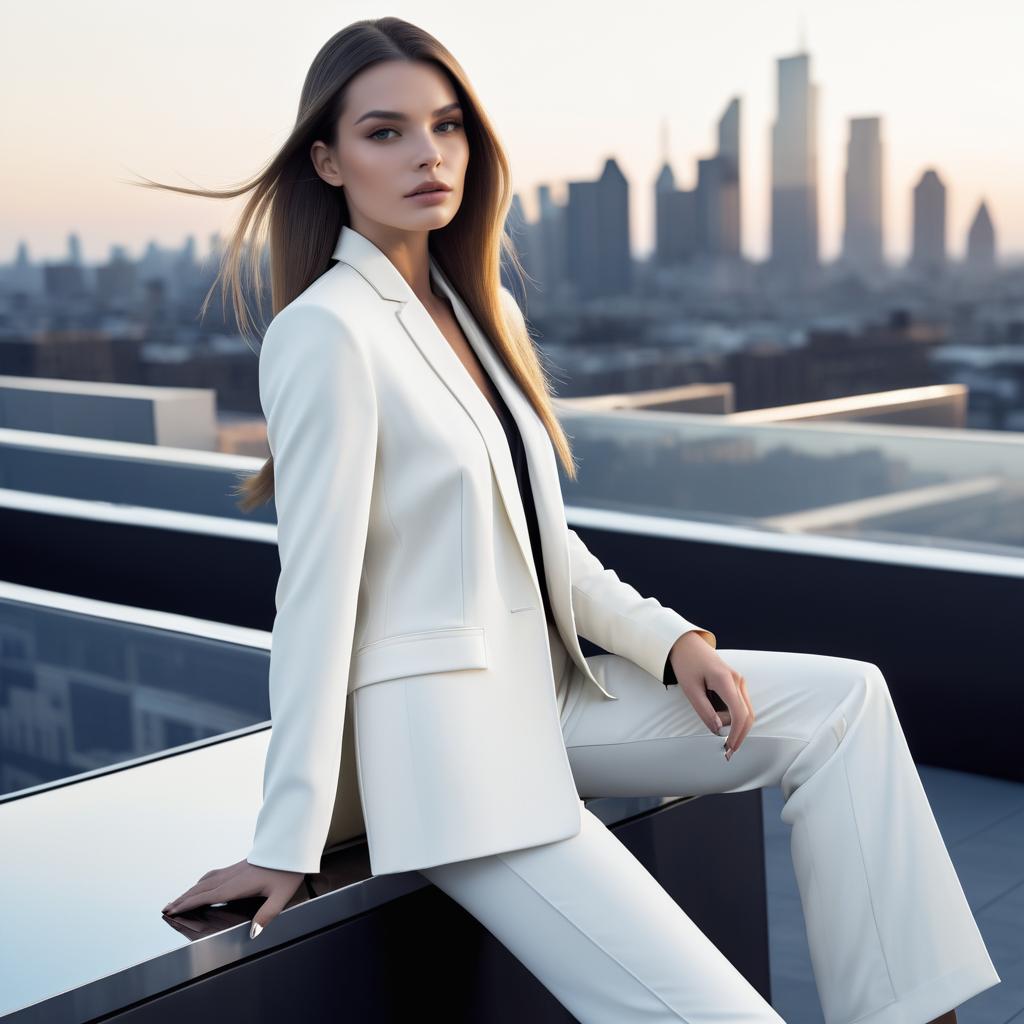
401 126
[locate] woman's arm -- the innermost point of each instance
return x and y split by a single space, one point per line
317 393
612 614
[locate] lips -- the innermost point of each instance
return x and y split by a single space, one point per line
428 188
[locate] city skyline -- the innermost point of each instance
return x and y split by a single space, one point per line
178 126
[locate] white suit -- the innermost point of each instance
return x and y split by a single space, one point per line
407 581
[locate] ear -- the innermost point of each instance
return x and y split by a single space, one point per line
323 163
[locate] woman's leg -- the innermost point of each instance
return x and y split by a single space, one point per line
892 938
596 928
588 920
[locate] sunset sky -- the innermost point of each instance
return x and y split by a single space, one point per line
204 92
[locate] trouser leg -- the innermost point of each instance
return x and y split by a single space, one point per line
588 920
891 936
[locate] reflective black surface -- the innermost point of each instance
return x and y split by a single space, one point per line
79 692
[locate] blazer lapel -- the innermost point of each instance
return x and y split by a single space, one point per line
362 255
547 490
420 326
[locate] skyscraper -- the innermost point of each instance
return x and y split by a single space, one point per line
862 230
675 220
704 221
928 255
598 247
551 268
730 226
981 242
794 230
666 234
709 206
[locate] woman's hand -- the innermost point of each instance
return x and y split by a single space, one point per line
699 668
238 881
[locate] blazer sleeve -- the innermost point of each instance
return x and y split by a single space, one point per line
318 397
608 611
612 614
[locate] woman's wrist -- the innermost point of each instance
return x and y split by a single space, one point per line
668 676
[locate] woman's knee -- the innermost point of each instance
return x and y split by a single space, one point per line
852 697
850 681
824 694
866 681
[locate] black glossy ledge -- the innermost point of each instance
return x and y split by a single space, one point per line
94 861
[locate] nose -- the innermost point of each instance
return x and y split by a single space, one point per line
431 153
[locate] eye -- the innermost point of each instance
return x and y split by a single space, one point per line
456 126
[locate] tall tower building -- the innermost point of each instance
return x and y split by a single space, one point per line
730 225
718 191
709 206
928 255
597 227
664 224
794 230
692 223
863 248
981 242
552 242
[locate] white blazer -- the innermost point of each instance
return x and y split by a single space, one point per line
407 582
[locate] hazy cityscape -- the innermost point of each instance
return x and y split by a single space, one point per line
790 328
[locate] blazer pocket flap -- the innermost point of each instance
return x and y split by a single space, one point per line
413 654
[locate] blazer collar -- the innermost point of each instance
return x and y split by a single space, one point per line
372 264
361 254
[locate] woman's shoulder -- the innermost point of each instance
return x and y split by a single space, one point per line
326 315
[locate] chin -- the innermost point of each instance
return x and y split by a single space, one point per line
433 219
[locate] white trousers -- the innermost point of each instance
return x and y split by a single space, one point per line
891 936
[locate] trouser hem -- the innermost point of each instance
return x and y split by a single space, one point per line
934 997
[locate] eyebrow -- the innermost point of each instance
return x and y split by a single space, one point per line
397 115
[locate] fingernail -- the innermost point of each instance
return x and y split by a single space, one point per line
255 929
718 724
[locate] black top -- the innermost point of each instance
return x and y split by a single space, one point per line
518 452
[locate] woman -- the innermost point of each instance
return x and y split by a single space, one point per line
425 559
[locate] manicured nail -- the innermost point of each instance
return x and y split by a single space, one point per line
718 724
255 929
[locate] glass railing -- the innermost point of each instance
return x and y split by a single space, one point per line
936 490
958 490
125 475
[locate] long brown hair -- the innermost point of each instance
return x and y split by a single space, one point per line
300 216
